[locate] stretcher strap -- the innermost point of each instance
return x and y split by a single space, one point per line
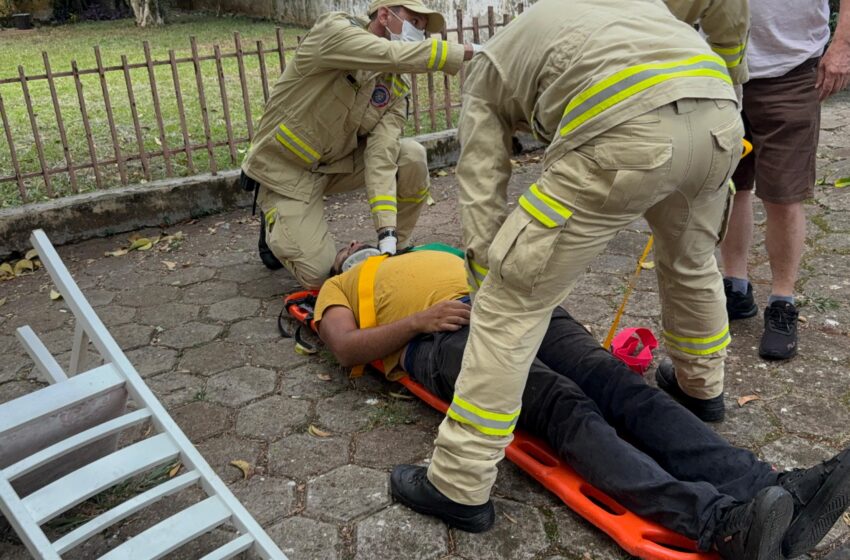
366 298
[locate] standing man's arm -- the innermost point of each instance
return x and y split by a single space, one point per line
726 24
381 157
834 68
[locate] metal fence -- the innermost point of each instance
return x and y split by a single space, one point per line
95 128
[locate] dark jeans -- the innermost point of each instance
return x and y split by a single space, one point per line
673 469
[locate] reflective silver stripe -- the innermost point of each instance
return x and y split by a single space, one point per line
542 209
699 346
378 203
620 86
478 271
436 60
477 420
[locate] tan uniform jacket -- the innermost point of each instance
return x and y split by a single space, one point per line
343 85
571 69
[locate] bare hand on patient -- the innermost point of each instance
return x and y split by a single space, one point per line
443 316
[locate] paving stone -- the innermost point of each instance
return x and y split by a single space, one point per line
149 296
347 493
514 484
58 340
643 304
98 297
265 498
189 275
113 315
812 416
385 447
347 412
749 426
398 532
11 368
209 292
822 379
232 259
132 335
237 387
151 360
221 450
628 243
301 455
256 330
587 309
214 357
299 537
304 382
792 452
614 264
175 389
842 553
14 389
233 309
245 273
201 419
269 287
580 539
189 334
134 276
168 315
7 343
837 221
272 417
517 533
835 242
279 355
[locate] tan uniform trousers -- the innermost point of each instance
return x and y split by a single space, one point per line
297 233
672 166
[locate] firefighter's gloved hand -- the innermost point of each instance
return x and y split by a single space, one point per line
387 241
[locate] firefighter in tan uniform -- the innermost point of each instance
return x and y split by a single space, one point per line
333 123
641 119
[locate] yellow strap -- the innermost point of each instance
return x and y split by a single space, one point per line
366 295
629 288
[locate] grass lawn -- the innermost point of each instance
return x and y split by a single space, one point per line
116 38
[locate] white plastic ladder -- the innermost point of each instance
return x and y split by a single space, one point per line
166 444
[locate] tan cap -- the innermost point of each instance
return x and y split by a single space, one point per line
436 23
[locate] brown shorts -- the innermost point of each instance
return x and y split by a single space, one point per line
782 120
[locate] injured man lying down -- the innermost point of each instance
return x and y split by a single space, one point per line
624 437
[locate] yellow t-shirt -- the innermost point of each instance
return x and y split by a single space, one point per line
404 285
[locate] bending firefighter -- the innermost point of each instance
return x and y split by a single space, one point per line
333 123
641 118
582 401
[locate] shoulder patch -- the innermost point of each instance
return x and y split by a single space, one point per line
380 96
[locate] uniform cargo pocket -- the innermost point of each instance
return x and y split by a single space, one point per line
638 167
521 250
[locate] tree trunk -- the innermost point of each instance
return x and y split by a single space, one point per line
147 12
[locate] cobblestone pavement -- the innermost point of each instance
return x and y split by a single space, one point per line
203 336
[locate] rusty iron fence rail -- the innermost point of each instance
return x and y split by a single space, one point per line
145 120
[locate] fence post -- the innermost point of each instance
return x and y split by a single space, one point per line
199 80
86 125
72 176
178 96
280 49
116 145
225 106
491 22
246 100
261 57
414 92
36 136
460 39
163 141
134 113
22 189
447 93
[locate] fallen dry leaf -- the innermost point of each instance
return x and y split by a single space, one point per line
324 377
401 396
243 466
747 398
442 173
430 201
303 350
175 469
137 244
116 253
647 265
509 518
54 295
2 301
317 432
31 254
170 265
6 270
22 266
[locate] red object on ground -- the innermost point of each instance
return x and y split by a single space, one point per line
628 341
635 535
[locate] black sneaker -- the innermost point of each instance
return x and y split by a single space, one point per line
411 487
821 494
779 341
738 305
707 410
266 255
753 531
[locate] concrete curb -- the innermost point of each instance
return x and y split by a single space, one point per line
76 218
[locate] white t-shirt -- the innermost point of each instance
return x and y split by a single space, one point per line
784 34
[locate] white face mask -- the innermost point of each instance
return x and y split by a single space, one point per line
409 32
358 257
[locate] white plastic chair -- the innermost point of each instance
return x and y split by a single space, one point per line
99 389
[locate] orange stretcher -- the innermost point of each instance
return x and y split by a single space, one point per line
637 536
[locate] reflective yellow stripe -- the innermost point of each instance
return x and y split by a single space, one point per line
270 216
399 87
478 272
384 208
544 208
732 186
490 423
439 54
433 57
420 196
296 145
631 81
699 346
378 198
383 203
445 55
731 55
